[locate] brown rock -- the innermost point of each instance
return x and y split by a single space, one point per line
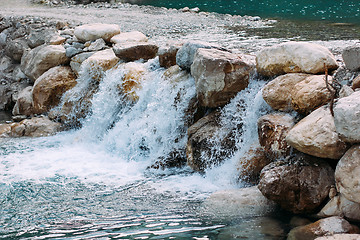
167 54
35 127
272 130
356 82
5 130
132 51
50 86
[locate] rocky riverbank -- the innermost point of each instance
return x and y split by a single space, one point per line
306 159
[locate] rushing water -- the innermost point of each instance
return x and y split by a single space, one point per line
94 182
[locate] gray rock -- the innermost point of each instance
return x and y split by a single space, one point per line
77 60
23 104
15 49
351 56
71 51
97 45
38 37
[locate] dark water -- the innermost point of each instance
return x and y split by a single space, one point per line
347 11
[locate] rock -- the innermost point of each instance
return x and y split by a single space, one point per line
134 36
208 144
299 184
167 54
243 202
294 57
38 37
276 92
310 94
185 55
56 40
297 221
340 206
131 82
316 135
77 60
356 82
5 97
219 76
5 130
340 237
132 51
15 49
35 127
91 32
345 91
323 227
99 62
50 86
42 58
72 51
272 130
251 163
23 104
351 57
97 45
347 174
346 118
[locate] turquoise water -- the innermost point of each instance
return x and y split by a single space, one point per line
332 10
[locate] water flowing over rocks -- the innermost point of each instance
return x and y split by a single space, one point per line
316 135
99 62
299 184
294 57
91 32
219 76
323 227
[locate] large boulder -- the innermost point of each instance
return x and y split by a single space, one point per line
23 104
351 57
219 76
310 94
35 127
346 118
40 59
49 87
208 143
347 174
323 227
272 130
99 62
134 36
91 32
276 93
185 55
299 184
294 57
132 51
316 135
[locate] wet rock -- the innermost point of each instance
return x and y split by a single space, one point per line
40 59
50 86
133 51
167 54
219 76
208 143
243 202
340 206
316 135
134 36
185 55
251 163
351 56
347 174
15 49
77 60
35 127
272 130
299 184
310 94
322 227
276 92
340 237
23 104
91 32
294 57
346 118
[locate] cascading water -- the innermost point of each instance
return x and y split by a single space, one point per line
94 182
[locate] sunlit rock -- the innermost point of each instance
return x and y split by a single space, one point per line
310 94
299 184
91 32
294 57
316 135
97 45
323 227
50 86
351 56
23 104
35 127
346 118
272 130
276 93
124 37
5 130
42 58
132 51
219 76
77 60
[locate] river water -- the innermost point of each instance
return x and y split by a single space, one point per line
94 182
